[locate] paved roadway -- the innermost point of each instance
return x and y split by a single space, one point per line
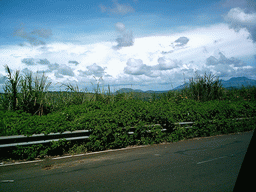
202 164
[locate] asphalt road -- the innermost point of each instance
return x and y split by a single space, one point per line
202 164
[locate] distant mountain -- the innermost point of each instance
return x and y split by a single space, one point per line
180 87
234 82
238 82
150 91
128 90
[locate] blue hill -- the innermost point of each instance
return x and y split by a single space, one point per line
234 82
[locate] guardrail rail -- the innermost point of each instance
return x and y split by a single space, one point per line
18 140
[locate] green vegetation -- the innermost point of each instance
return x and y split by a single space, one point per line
24 93
27 108
204 88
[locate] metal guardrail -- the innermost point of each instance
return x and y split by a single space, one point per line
18 140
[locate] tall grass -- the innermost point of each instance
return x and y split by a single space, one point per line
204 88
10 99
33 93
73 95
25 92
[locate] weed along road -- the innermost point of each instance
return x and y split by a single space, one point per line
199 164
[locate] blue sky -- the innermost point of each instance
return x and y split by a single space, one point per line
148 45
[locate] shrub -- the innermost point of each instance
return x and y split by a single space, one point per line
204 88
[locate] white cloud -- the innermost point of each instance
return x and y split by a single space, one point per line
182 41
166 64
93 69
65 70
120 27
43 33
244 4
125 38
142 64
237 18
43 62
136 67
26 71
73 62
117 8
28 61
53 67
2 79
224 61
58 76
34 37
225 67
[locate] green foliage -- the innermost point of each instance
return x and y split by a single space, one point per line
204 88
24 93
77 148
39 151
33 94
11 89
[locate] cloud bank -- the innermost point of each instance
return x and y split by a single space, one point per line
151 63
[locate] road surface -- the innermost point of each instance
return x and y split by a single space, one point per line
199 164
